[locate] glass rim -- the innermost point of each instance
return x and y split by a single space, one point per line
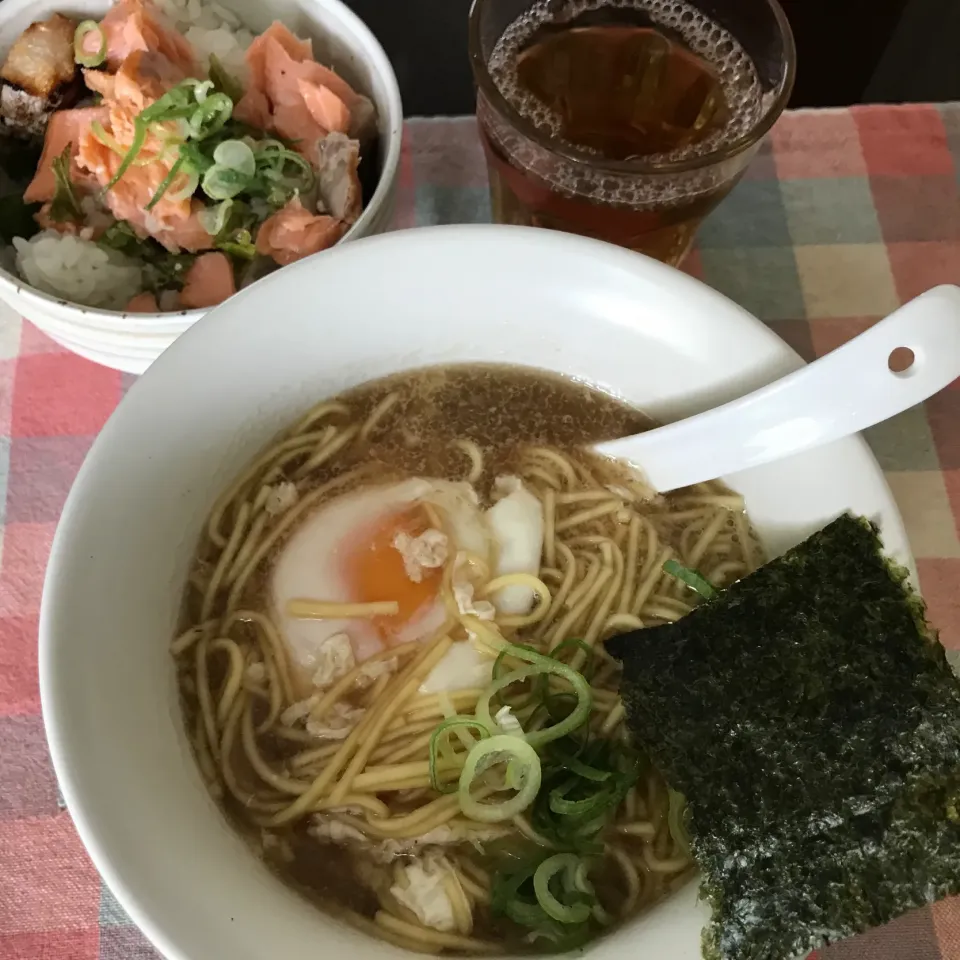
571 153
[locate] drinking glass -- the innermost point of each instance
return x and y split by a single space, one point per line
634 172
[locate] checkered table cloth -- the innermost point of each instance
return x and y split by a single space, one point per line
844 215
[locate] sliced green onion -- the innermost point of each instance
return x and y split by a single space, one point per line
96 128
168 146
536 693
587 772
568 865
691 578
222 183
190 186
455 724
201 90
235 155
139 139
271 157
582 883
443 698
80 55
165 184
526 914
592 804
195 157
540 664
176 104
503 654
526 766
214 219
589 652
210 115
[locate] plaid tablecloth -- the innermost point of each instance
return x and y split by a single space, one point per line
844 215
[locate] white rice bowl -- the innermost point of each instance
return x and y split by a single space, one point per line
75 290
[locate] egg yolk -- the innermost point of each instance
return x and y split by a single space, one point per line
374 571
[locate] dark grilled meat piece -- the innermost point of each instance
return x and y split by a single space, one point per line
39 76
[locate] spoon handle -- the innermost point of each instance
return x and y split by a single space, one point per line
846 391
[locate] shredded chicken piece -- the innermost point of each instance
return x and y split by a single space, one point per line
508 723
373 671
256 672
326 826
276 846
423 890
298 711
337 724
334 659
282 497
481 609
330 828
428 551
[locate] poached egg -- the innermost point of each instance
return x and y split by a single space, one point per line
383 543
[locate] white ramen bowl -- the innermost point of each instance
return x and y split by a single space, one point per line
631 326
131 341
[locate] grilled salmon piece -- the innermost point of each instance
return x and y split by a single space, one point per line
293 233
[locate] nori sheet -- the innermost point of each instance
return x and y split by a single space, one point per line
810 718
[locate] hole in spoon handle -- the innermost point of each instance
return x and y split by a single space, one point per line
901 362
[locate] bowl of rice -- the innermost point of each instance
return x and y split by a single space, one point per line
156 156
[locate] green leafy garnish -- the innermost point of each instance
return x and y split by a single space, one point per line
80 55
691 578
230 224
241 246
162 270
120 236
65 206
167 271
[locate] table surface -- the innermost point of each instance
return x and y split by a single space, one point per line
844 215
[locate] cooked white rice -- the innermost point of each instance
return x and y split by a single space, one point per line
211 28
78 270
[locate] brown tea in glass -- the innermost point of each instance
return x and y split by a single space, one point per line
627 121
